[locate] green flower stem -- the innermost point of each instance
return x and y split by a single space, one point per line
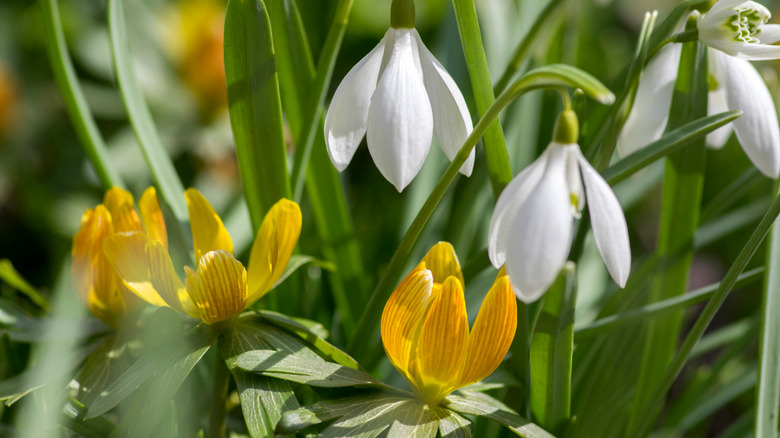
75 102
552 347
654 403
524 47
683 184
219 398
317 95
664 307
499 169
768 391
555 75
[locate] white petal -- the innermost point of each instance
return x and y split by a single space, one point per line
716 103
540 235
451 118
345 121
511 198
573 179
648 117
608 224
770 33
751 51
400 122
756 129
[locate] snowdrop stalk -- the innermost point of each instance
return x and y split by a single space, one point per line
533 223
398 97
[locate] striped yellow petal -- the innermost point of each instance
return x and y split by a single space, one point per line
443 262
208 232
152 216
163 275
81 269
272 248
219 288
492 333
127 254
443 340
126 219
403 316
114 198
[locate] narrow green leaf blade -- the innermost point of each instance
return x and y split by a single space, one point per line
485 406
9 275
298 369
75 102
255 106
157 159
552 347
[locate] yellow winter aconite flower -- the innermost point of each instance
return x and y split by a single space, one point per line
425 330
219 287
107 297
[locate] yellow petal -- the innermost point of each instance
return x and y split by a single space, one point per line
443 341
219 287
208 232
272 248
164 278
127 254
443 262
152 216
115 198
93 277
493 331
403 316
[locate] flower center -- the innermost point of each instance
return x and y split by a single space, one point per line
747 22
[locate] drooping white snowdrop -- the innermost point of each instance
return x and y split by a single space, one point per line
398 96
739 28
533 222
736 86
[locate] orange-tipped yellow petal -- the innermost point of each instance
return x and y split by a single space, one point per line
443 341
443 262
93 277
272 248
126 219
163 275
208 232
492 333
218 289
80 269
403 316
127 254
115 197
152 216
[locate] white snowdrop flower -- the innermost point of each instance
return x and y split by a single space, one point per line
533 222
740 29
735 85
398 96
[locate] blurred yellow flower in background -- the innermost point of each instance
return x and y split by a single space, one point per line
425 329
106 295
194 35
219 287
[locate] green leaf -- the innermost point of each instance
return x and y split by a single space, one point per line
166 365
452 425
552 345
310 336
366 416
255 106
298 369
647 312
768 391
75 102
73 419
486 406
497 156
9 275
670 143
298 261
157 158
682 193
263 399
